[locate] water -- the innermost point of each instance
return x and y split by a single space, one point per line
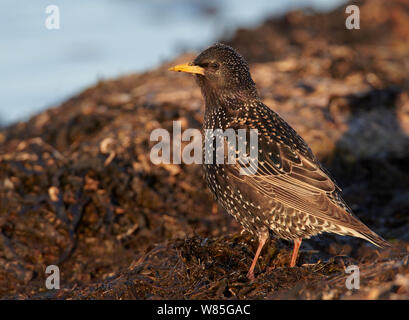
101 39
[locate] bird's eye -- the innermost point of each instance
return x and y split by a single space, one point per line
211 66
214 65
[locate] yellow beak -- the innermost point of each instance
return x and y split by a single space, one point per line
188 68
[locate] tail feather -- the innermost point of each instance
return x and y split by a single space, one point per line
373 238
352 226
367 234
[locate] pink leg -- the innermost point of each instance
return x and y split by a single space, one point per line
297 244
262 240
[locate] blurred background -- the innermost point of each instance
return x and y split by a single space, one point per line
78 188
101 39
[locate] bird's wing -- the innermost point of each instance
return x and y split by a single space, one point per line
289 172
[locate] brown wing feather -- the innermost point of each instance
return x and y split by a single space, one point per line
290 173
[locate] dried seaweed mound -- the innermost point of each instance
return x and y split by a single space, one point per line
78 189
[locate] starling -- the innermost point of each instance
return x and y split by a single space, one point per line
291 195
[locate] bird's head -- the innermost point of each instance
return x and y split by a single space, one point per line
221 71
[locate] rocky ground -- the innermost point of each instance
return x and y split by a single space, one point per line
78 189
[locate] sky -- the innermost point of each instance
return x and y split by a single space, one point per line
100 39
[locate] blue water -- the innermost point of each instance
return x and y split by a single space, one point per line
100 39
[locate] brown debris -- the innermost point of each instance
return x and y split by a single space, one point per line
78 189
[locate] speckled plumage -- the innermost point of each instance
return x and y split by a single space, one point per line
291 195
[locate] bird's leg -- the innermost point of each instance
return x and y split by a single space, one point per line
297 244
261 241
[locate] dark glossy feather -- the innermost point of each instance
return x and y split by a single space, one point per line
289 173
291 194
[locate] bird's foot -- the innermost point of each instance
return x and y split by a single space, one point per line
250 276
